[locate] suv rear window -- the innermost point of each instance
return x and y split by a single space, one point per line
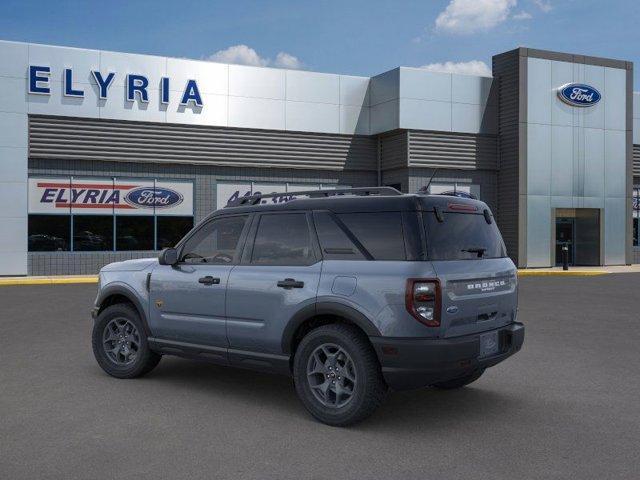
462 236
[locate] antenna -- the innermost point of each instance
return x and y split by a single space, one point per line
425 189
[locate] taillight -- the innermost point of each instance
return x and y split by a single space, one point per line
423 301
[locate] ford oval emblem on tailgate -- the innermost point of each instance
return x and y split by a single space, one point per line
452 309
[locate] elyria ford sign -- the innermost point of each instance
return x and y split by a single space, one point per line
153 198
99 196
579 95
136 86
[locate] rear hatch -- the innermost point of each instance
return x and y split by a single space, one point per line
478 281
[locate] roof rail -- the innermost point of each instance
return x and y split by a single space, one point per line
359 191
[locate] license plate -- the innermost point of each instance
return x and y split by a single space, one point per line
489 344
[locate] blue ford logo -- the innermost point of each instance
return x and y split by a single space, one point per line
149 197
579 95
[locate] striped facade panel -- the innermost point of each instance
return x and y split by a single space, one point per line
636 160
453 150
506 70
113 140
394 150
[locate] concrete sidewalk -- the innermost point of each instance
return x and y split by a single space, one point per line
529 272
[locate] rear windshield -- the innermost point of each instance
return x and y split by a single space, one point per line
462 236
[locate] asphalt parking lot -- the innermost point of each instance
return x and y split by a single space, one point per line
567 406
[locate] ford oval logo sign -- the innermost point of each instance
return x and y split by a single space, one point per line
149 197
579 95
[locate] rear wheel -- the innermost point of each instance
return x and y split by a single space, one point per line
120 344
459 382
337 375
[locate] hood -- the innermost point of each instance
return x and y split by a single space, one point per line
130 265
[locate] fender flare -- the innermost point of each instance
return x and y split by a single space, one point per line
326 308
129 294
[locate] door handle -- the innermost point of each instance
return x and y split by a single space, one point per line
209 280
289 283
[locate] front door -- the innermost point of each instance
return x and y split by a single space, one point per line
277 277
565 229
187 301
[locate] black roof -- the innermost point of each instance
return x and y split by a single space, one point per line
352 204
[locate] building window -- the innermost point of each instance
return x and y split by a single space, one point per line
134 233
92 233
107 214
172 229
49 233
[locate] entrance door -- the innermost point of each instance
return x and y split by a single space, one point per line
579 230
565 229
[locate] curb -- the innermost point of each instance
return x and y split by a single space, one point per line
562 273
47 280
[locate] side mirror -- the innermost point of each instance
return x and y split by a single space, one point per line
168 256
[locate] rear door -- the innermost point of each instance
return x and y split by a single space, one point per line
278 276
477 279
187 300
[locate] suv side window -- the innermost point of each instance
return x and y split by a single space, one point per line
215 242
379 232
283 239
334 242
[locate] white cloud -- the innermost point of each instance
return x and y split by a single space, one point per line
522 16
240 54
543 5
469 16
286 60
245 55
473 67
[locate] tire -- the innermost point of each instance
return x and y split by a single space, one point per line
134 358
459 382
360 378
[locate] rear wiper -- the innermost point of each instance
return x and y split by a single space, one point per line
480 251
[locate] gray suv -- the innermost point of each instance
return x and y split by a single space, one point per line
351 292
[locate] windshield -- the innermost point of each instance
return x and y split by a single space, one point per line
462 236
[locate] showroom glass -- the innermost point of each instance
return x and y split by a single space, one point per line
92 233
283 239
112 232
49 233
134 233
171 230
215 243
452 238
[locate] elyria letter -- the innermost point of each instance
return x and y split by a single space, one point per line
136 86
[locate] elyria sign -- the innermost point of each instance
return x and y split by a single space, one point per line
579 95
136 86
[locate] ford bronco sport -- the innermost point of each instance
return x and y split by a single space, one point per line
352 292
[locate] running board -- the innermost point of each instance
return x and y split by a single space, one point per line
268 362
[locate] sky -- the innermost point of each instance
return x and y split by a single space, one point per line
348 37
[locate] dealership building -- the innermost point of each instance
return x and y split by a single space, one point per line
107 156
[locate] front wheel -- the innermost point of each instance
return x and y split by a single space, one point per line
120 343
337 375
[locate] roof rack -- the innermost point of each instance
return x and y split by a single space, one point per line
359 191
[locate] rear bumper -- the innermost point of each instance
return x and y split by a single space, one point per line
413 363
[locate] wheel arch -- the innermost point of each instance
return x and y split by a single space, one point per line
323 313
115 294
